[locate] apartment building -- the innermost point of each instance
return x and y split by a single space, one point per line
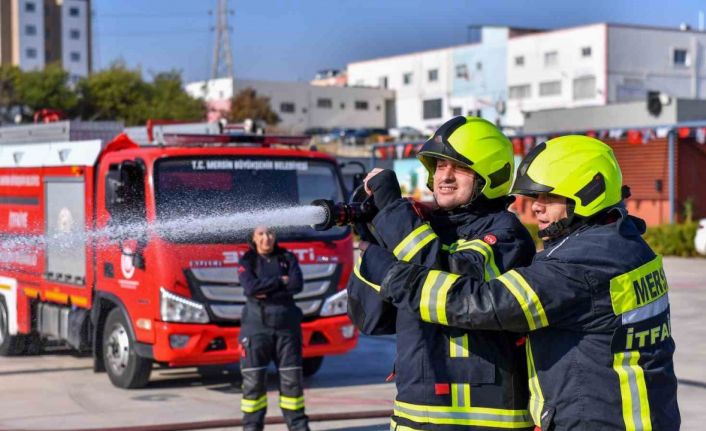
300 105
601 64
35 33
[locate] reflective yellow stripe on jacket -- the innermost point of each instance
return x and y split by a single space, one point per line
536 401
432 305
414 242
528 299
633 391
356 272
485 250
463 415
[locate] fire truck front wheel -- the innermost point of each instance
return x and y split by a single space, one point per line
125 368
9 344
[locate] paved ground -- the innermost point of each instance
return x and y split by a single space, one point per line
59 391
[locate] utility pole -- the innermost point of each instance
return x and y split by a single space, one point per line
222 54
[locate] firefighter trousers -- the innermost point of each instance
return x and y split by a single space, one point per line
286 351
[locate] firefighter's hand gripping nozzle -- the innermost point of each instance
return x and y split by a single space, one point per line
361 209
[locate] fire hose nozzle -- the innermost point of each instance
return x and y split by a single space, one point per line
342 214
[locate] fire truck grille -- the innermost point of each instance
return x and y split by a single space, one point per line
220 290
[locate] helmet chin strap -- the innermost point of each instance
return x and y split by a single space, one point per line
563 226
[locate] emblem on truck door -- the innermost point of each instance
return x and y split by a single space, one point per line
65 221
126 263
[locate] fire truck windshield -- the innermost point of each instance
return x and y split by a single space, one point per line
199 187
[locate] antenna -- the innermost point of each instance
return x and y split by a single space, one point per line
222 54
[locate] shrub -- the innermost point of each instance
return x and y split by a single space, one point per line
666 240
672 239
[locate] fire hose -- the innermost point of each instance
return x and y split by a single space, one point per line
237 422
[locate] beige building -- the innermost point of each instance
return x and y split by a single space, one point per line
35 33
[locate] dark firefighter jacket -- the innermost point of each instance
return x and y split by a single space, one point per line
270 304
596 307
449 378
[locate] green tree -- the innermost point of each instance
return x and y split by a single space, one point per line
169 101
10 103
47 88
119 93
247 104
116 93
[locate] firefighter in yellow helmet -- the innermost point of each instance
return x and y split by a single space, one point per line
450 378
594 301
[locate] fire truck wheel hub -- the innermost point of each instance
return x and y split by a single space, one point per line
118 349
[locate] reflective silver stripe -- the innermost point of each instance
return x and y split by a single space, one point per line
417 239
646 311
458 346
469 414
529 301
433 315
461 394
634 391
247 370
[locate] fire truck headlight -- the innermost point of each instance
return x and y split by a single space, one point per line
175 308
335 304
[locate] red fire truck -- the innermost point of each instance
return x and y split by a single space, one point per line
136 294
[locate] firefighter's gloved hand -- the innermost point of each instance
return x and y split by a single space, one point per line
384 187
376 262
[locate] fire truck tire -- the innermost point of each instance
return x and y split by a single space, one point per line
10 345
312 365
125 368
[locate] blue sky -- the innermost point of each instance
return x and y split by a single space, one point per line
289 40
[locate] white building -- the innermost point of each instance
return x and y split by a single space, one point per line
432 86
34 33
301 106
601 64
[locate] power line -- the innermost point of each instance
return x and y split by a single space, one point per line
156 33
199 14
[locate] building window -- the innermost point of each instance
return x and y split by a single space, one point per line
31 53
324 103
550 88
456 111
586 51
361 105
680 57
343 105
431 108
74 11
75 34
461 71
520 61
287 107
518 92
407 78
30 7
383 82
433 75
30 30
75 56
585 87
551 58
479 66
